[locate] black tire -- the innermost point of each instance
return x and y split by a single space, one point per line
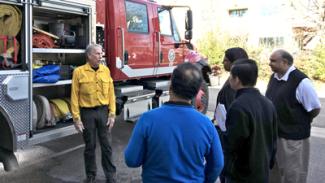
204 104
155 102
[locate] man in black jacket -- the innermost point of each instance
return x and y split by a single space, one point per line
226 95
250 139
297 104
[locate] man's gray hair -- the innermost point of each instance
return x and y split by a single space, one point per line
90 48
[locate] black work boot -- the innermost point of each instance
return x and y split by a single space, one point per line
90 179
111 179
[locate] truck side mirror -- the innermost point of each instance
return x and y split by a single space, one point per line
189 20
188 34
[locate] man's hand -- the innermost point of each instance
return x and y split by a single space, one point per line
216 70
110 123
79 126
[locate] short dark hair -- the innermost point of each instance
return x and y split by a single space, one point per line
286 55
186 81
246 70
235 53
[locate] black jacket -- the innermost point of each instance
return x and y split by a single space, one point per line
250 139
226 95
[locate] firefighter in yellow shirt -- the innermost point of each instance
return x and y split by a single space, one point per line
93 110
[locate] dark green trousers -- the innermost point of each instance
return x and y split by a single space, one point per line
94 121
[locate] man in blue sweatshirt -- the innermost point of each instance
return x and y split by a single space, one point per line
176 143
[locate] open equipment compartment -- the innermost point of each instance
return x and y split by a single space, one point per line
60 33
12 34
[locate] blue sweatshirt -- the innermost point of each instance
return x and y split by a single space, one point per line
175 143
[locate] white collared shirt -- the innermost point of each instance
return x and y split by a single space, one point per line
305 93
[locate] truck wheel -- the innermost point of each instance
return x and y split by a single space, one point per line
201 102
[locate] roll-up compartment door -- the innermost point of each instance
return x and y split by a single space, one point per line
62 6
14 2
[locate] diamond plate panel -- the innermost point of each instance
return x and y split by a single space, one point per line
18 112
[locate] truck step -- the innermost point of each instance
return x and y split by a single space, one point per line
157 84
137 105
132 120
120 90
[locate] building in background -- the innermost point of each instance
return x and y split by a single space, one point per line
291 24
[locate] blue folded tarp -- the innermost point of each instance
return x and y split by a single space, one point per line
46 74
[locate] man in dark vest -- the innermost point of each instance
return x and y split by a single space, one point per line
250 138
296 101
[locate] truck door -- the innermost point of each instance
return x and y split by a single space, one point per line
138 40
170 54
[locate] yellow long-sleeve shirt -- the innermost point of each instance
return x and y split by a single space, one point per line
91 88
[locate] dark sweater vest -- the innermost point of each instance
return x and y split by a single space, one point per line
294 121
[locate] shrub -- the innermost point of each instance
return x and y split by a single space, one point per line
312 62
319 59
214 44
304 62
211 47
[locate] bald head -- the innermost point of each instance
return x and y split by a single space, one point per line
284 55
280 61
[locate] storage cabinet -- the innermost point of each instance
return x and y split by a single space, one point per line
12 35
60 32
50 32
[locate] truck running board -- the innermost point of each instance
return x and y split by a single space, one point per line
52 135
139 100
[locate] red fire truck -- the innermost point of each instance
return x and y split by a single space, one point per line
142 47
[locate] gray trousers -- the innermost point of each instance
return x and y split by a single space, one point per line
292 159
94 121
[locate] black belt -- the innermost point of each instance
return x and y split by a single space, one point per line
94 108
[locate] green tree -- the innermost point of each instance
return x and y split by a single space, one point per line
312 13
214 44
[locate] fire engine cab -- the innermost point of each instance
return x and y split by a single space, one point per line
42 41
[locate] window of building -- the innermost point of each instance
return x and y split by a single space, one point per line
271 41
136 17
237 12
270 9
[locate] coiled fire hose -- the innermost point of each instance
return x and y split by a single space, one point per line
10 20
10 25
